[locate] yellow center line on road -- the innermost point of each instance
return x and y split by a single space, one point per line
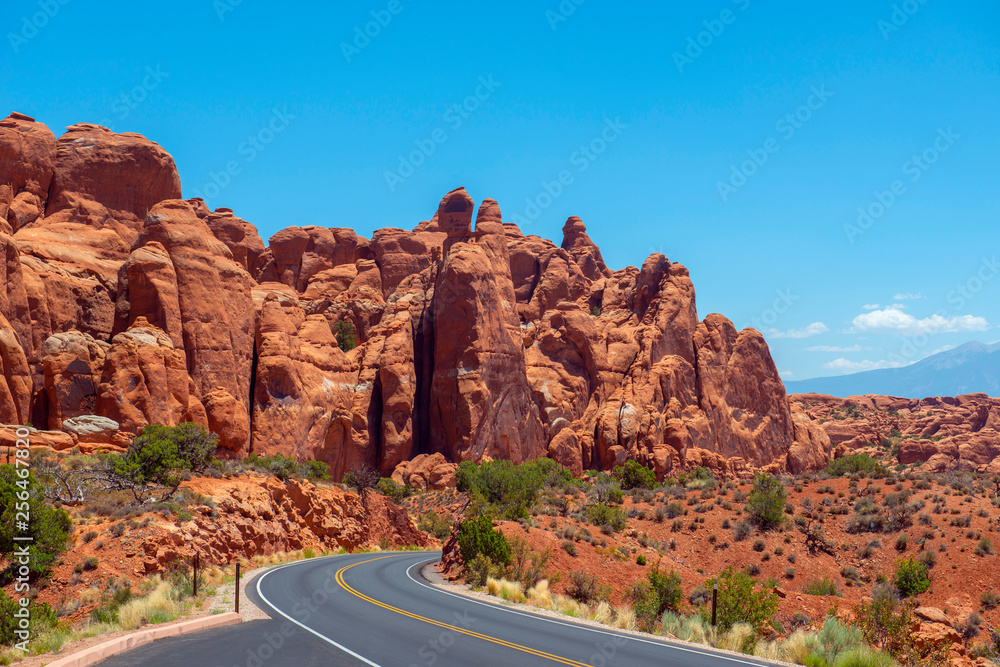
495 640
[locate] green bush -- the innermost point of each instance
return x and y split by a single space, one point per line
825 586
346 335
438 526
509 490
42 617
48 527
395 492
855 464
634 475
661 591
911 577
766 503
479 537
740 601
605 515
161 455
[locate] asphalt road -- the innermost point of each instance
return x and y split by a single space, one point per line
376 609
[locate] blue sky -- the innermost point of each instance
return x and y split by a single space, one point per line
827 171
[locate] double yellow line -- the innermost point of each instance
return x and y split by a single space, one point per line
477 635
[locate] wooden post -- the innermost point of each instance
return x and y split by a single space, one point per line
715 599
195 579
237 586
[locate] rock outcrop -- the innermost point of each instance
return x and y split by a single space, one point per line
940 433
408 352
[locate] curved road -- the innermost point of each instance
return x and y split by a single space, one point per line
375 609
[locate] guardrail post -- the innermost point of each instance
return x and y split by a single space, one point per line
237 586
195 579
715 600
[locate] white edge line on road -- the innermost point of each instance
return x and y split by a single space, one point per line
577 626
306 627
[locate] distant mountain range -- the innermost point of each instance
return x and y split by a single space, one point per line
968 369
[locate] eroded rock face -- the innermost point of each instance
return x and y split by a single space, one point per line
73 362
145 381
453 341
183 280
940 433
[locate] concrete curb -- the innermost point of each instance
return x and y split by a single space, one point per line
95 654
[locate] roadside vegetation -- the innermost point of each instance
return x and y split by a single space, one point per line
885 507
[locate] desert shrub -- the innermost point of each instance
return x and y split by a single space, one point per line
766 502
740 601
855 464
742 531
640 559
569 546
346 335
395 492
438 526
985 547
825 586
634 475
759 545
42 617
479 537
885 623
509 490
48 527
911 577
673 510
586 587
606 516
699 595
661 591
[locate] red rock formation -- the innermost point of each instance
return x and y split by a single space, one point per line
470 343
583 250
481 400
185 281
73 362
239 235
145 381
961 432
15 378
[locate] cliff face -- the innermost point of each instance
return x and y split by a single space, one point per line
473 340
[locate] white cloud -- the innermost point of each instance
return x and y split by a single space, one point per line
870 306
805 332
835 348
786 375
907 295
842 364
894 320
